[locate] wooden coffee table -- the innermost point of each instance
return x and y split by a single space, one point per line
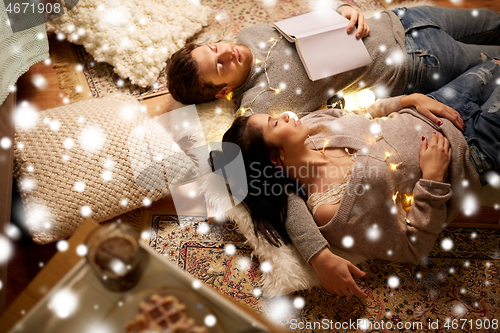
69 271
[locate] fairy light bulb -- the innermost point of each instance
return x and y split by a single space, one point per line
271 39
407 202
276 90
351 102
409 198
325 144
257 61
394 197
394 166
387 155
365 98
229 96
242 111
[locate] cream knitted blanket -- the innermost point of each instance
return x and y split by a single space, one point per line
135 36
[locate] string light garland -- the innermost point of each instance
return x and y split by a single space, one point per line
243 110
324 147
364 96
405 199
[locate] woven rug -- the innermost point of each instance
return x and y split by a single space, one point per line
461 285
228 18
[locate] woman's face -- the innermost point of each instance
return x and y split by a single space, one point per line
282 131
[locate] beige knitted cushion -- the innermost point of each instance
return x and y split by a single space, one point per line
97 158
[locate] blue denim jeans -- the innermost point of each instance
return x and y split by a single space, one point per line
442 43
476 96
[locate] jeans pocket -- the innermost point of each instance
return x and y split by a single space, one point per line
427 76
414 18
428 60
481 162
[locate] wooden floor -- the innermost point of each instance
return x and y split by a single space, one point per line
28 257
490 4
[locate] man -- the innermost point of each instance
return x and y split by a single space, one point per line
234 62
413 50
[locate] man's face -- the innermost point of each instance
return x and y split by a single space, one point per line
223 64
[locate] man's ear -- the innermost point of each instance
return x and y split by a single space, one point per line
223 92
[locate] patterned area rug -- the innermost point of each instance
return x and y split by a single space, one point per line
228 18
455 290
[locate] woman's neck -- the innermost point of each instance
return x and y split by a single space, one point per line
305 166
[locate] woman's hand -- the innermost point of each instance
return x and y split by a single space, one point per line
355 17
334 274
430 108
435 157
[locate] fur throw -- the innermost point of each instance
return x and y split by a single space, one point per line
288 270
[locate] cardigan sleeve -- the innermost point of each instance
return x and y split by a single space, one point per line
384 107
426 218
302 229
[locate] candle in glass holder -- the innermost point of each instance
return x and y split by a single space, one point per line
115 256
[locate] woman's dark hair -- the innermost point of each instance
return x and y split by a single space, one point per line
267 197
184 80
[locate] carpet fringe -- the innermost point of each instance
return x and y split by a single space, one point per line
66 70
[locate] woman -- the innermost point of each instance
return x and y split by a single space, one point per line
380 187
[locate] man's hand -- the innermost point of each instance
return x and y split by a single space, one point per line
334 273
431 108
355 17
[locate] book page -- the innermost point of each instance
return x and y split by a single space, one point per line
315 22
331 53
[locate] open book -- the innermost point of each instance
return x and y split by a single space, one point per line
323 44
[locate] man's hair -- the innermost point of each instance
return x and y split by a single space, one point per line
184 79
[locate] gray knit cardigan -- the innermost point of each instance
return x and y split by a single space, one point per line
386 75
378 226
